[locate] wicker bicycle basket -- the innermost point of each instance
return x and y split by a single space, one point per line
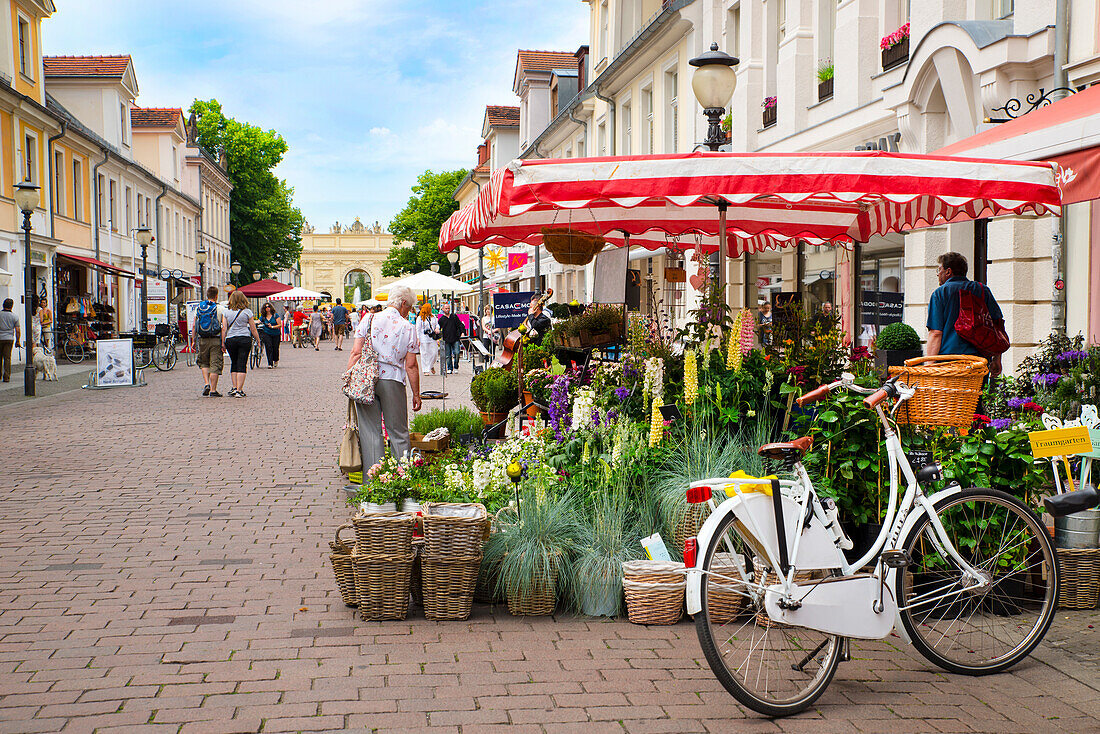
449 586
1079 585
570 246
947 390
654 591
343 568
454 529
384 533
383 584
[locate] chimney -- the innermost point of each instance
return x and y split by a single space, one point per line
482 153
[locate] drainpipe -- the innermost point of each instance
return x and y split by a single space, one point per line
95 200
1058 244
610 120
53 173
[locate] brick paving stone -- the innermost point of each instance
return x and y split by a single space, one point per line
99 554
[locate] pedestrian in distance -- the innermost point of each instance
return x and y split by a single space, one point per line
286 322
452 329
208 341
45 318
339 322
427 330
271 325
353 320
396 343
240 330
299 320
944 307
316 327
10 333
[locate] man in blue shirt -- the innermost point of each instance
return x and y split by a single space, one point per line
943 310
339 321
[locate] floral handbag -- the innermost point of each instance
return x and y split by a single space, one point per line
359 380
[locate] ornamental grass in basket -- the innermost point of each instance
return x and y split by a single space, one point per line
534 554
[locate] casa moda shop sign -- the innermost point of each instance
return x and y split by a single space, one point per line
510 309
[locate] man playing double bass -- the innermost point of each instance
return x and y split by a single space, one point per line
538 323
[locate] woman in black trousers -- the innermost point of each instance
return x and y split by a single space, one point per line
271 326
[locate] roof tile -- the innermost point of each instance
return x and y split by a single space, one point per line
546 60
155 116
501 116
91 66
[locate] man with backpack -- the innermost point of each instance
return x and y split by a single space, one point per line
963 315
208 339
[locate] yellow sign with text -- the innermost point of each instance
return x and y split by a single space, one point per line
1060 442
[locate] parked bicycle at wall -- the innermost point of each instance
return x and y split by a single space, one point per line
165 355
968 576
77 342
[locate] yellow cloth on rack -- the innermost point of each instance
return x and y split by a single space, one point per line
765 487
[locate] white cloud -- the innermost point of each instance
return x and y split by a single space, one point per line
380 131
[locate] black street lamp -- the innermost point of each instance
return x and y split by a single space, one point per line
26 198
200 258
235 268
256 275
713 83
144 238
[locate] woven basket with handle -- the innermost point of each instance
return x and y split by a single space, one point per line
570 246
449 586
726 592
1079 583
454 529
383 584
654 591
343 568
948 387
384 533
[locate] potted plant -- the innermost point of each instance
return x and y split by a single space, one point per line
536 388
825 80
385 486
460 422
896 343
597 325
895 48
604 544
770 111
494 392
533 555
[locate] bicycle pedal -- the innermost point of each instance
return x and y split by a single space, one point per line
896 558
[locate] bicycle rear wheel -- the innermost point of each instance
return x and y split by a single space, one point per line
774 669
977 630
143 358
160 356
74 351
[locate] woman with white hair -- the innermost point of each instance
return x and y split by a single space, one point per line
397 345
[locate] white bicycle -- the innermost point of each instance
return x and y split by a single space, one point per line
968 576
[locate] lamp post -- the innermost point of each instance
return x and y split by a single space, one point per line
235 268
144 238
256 275
713 83
200 258
434 267
26 198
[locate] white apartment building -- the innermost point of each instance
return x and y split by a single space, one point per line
962 60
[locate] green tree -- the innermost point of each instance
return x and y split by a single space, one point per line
419 224
264 225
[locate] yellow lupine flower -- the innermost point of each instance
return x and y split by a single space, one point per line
691 377
733 353
656 424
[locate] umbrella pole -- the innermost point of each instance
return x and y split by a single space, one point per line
722 250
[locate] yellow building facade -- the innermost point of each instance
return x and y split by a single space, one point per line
330 260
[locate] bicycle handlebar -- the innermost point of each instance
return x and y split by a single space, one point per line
875 396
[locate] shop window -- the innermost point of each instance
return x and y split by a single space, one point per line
818 269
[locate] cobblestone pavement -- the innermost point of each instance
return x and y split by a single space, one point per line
163 567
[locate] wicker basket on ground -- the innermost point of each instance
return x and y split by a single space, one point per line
383 584
454 529
689 519
449 585
767 578
343 568
571 246
1079 586
654 591
948 388
726 592
384 533
416 581
539 601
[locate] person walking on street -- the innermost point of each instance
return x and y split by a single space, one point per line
396 343
240 330
208 341
298 320
316 326
943 311
353 320
286 335
270 327
427 331
10 333
452 329
339 322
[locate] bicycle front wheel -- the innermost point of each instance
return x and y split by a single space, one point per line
74 351
143 358
986 627
164 356
774 669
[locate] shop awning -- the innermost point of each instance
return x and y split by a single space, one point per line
1066 132
97 264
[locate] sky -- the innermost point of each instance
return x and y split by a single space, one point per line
367 93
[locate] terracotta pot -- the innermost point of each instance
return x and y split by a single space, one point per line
533 411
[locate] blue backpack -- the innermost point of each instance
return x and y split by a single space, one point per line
206 321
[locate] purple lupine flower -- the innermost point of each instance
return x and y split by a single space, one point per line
622 393
1000 423
1016 403
1046 379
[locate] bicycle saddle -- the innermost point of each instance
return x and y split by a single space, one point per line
786 451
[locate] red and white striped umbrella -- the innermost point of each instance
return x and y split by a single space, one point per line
773 200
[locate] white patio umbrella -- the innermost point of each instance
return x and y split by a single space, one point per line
369 303
296 294
429 283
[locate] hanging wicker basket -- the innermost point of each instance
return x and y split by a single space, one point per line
343 568
947 389
570 246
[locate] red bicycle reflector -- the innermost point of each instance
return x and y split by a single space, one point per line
696 495
691 552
